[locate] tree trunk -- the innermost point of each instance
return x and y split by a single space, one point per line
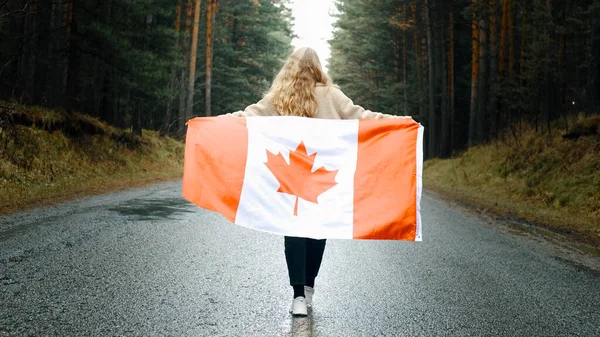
418 61
43 15
444 117
139 104
396 46
52 80
56 75
560 73
183 81
93 92
193 54
493 74
511 41
451 80
74 62
106 87
117 91
482 92
177 22
473 136
166 125
210 19
404 47
125 107
593 85
28 57
432 153
551 103
425 68
503 36
523 38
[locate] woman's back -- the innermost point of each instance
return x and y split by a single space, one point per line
332 103
301 88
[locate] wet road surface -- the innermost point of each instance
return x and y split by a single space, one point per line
147 263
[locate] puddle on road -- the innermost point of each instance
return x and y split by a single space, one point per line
154 209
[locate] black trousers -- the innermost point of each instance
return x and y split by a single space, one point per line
303 257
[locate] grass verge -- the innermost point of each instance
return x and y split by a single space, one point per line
49 156
551 179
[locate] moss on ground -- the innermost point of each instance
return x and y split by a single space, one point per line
47 156
551 179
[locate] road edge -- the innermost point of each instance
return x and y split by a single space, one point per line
561 246
94 190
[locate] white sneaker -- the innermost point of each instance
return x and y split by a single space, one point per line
299 307
309 292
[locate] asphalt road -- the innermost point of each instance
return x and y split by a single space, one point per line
147 263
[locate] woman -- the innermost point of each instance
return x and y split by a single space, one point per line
302 89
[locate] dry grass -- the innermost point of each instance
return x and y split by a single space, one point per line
550 180
47 156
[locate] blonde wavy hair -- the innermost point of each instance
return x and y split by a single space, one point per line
293 89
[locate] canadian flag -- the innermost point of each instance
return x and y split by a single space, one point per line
308 177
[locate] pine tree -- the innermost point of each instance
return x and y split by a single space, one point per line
128 62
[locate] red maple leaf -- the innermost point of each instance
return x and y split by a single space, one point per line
297 178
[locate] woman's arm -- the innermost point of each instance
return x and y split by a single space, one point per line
348 110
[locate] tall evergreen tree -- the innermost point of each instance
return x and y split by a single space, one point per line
128 62
477 66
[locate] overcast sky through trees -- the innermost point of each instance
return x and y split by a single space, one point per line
313 25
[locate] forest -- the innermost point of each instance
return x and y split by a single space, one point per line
470 69
94 95
467 69
141 64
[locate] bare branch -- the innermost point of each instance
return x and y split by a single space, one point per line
6 64
3 3
24 10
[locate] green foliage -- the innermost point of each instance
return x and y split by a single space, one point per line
122 61
550 68
252 40
362 61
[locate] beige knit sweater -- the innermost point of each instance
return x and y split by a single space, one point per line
332 103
